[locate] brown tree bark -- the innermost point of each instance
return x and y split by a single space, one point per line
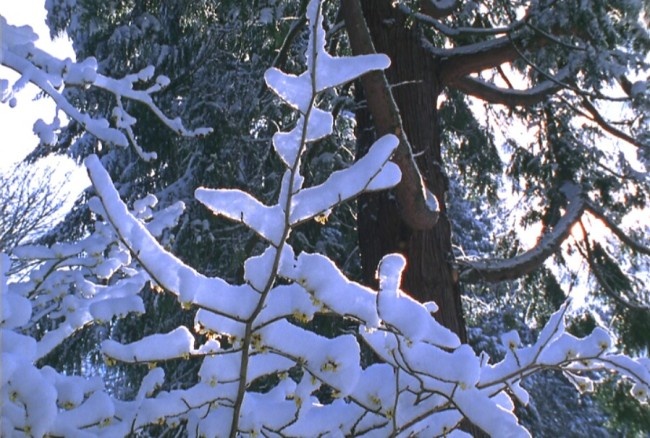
414 76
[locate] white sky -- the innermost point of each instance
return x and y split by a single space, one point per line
16 136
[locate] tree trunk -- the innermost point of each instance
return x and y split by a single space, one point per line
413 75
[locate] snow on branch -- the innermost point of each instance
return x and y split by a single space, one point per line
506 96
475 57
474 271
428 17
372 172
241 207
191 287
423 384
179 343
70 286
52 75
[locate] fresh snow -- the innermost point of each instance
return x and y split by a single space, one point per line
427 380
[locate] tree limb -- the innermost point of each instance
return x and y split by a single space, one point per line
600 276
509 97
472 58
494 271
458 31
410 192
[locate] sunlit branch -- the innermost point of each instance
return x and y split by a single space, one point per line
40 79
30 68
145 250
509 97
562 84
472 58
518 266
410 191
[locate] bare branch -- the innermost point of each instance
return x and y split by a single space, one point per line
509 269
29 200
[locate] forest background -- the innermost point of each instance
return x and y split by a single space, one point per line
465 80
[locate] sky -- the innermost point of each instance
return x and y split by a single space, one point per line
16 136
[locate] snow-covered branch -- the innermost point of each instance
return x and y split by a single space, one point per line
474 271
428 18
472 58
52 75
423 382
507 96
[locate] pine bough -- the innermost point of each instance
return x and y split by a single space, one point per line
424 384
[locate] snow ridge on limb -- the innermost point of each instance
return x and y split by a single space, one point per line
52 75
191 287
478 270
242 207
372 172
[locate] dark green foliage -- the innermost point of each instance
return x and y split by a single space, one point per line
611 277
470 147
582 325
626 416
634 327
